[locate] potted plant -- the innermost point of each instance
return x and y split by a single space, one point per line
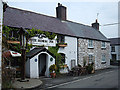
90 68
52 70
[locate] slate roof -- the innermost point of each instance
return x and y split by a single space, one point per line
14 17
85 31
114 41
36 51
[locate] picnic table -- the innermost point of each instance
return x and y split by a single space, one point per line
76 71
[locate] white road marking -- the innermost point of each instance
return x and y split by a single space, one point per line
77 80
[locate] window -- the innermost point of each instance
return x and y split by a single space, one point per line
90 44
103 45
72 63
112 48
63 57
61 39
90 58
103 58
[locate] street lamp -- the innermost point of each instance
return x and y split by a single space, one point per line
23 54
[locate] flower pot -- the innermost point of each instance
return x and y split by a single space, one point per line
53 75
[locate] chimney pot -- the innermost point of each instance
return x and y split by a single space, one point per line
61 12
95 25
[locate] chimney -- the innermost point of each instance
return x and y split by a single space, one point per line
61 12
95 25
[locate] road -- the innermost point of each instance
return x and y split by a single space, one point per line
103 80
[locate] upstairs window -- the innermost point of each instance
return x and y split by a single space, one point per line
90 43
103 45
61 39
63 57
112 48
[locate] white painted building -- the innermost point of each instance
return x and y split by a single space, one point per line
70 51
72 38
38 62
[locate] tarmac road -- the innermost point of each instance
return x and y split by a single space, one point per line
103 80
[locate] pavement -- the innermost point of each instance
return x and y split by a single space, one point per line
28 84
45 82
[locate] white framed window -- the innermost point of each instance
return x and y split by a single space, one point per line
90 43
103 58
103 45
112 48
90 58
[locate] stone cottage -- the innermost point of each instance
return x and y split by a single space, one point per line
77 42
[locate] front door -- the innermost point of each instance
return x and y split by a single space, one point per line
42 64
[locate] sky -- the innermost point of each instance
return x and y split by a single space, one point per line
85 12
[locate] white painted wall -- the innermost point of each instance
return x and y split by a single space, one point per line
70 50
33 71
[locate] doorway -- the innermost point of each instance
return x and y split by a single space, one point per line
42 64
114 57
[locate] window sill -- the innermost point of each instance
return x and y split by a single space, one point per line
103 62
103 48
90 48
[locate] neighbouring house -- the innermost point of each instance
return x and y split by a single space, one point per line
115 48
77 42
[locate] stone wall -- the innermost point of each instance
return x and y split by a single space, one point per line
96 51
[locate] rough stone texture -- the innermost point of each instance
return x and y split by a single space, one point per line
96 51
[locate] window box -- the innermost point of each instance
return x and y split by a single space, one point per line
62 44
13 42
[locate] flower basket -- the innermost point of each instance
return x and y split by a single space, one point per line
53 75
52 70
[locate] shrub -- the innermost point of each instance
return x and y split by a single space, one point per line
53 68
89 68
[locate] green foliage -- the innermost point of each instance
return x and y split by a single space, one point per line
54 51
15 47
32 32
84 61
7 32
53 68
29 46
90 68
62 43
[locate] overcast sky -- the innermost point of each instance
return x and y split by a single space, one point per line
78 11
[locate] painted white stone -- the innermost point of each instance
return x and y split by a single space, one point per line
70 50
32 69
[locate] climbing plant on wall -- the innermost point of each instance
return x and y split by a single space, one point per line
58 57
32 32
7 32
